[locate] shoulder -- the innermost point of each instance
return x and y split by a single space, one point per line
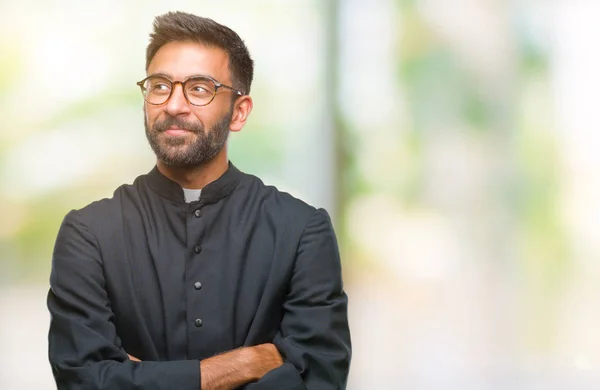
273 197
279 205
105 212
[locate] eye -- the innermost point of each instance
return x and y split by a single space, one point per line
159 86
200 87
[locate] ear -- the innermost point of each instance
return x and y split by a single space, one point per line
241 111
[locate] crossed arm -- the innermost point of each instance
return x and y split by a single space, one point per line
312 349
236 368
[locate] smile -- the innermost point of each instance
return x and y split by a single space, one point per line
176 131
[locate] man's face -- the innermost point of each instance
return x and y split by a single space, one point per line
182 135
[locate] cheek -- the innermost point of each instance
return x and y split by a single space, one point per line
211 114
202 115
151 114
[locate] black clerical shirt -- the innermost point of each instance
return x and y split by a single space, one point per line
172 283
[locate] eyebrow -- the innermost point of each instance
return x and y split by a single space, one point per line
170 77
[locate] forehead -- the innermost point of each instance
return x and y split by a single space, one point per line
180 60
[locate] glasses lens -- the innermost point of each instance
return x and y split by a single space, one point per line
156 89
200 90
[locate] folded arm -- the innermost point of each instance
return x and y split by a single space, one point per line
85 350
314 337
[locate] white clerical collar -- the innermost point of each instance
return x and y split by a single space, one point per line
191 195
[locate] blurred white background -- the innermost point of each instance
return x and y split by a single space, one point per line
454 142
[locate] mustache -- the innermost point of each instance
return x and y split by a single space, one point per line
160 126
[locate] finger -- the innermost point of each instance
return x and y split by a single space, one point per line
133 358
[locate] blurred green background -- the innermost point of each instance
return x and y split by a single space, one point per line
454 143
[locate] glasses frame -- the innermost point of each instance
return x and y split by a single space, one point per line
174 84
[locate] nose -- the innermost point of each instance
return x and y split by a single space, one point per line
177 103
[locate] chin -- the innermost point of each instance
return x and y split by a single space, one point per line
180 142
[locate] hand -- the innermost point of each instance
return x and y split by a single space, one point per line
133 358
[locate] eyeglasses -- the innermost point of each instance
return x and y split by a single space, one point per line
198 90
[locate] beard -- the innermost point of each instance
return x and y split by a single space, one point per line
189 150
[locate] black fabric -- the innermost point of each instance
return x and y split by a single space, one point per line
125 275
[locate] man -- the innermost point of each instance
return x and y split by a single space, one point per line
197 276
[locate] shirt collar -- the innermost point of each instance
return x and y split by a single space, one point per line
211 193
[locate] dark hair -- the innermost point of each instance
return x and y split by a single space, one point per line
184 27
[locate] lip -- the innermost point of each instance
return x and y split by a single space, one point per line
175 131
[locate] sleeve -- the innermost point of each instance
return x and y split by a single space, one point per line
314 336
84 349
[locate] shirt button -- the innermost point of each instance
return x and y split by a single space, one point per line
198 322
197 285
197 249
197 213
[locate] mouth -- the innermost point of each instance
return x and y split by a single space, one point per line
176 131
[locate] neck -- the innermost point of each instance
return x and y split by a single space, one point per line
195 178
